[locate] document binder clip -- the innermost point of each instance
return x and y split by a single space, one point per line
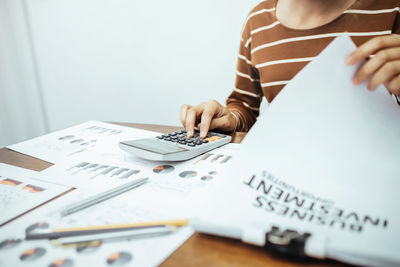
288 242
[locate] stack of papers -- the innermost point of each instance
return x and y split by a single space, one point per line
125 208
88 159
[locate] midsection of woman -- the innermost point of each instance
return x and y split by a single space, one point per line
279 39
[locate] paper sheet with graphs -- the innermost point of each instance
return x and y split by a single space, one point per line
14 251
19 192
165 197
170 183
97 168
66 143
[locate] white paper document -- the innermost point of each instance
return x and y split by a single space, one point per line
66 143
171 182
20 193
15 251
164 197
323 159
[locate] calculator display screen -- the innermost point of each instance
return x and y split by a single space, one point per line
153 145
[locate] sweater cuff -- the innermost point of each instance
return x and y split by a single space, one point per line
246 118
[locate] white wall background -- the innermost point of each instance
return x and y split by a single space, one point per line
22 113
131 60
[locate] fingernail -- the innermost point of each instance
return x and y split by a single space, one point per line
370 88
356 81
189 133
203 133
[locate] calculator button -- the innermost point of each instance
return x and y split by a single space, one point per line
214 138
183 142
191 144
160 137
167 139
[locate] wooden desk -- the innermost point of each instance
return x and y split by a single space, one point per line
200 249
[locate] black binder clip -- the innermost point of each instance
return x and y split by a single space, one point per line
288 242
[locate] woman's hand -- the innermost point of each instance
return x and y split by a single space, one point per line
207 116
383 67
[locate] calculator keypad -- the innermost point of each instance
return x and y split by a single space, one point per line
181 138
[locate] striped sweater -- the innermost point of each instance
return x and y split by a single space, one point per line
271 54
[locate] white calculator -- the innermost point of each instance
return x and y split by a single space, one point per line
175 146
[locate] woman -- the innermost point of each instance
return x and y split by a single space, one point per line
281 36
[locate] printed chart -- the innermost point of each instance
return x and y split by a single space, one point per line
9 243
36 226
188 174
164 197
63 144
32 254
63 262
96 175
168 191
119 258
163 169
18 195
214 158
15 251
93 170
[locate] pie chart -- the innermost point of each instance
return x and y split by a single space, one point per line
119 258
62 263
188 174
207 178
33 188
33 227
66 137
162 169
9 243
77 141
32 254
10 182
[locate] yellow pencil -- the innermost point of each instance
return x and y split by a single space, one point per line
176 223
96 229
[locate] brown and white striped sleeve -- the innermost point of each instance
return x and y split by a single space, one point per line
246 97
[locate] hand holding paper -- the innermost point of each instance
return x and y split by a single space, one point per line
384 65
